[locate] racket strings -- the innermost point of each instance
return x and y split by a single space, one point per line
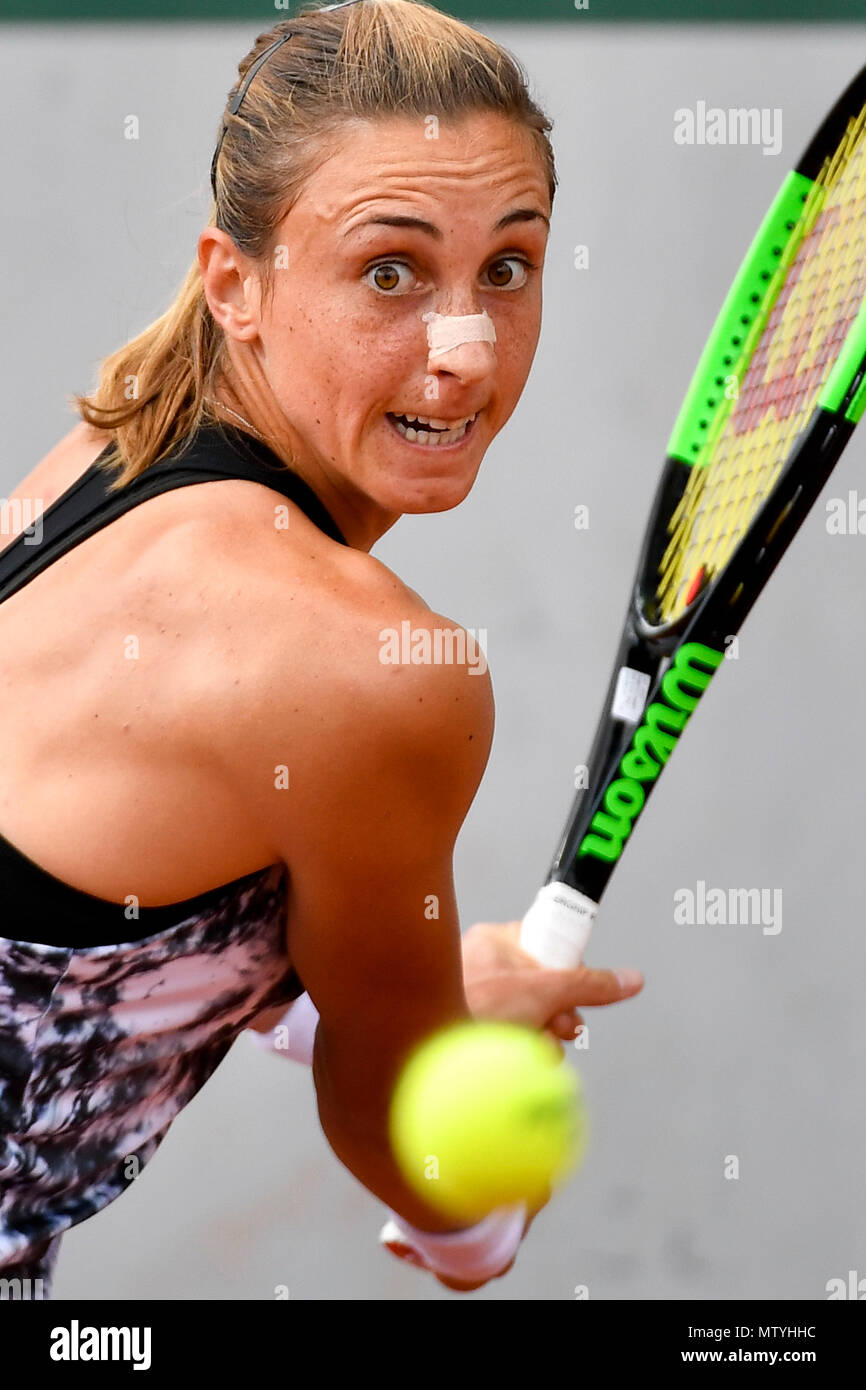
785 360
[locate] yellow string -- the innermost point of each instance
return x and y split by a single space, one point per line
795 354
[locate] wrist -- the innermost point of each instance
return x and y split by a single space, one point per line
475 1253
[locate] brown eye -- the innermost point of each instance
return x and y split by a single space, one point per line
386 276
502 277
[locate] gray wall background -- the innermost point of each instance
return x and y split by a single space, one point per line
741 1043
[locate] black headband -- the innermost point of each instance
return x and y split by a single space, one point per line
235 103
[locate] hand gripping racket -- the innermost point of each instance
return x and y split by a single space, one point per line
777 393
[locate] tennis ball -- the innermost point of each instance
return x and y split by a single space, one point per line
484 1115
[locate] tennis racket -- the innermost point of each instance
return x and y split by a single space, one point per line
776 395
775 398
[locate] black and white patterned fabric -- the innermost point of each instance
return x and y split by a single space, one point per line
102 1043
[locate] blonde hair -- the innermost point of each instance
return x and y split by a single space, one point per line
373 59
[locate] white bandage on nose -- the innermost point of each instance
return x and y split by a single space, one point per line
444 332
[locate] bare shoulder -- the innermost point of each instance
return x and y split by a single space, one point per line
62 465
360 686
338 619
394 658
416 666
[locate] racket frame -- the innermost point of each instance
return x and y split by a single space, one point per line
718 611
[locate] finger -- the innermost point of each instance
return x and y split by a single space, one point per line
566 1024
459 1285
570 988
405 1252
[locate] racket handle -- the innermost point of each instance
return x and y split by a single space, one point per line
556 928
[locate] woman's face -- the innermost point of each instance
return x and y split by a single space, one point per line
340 348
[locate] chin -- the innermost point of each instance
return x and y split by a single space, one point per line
440 495
414 479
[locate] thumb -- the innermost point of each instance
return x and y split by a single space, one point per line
568 989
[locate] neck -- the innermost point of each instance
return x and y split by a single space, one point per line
360 521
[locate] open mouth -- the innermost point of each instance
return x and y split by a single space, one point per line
432 433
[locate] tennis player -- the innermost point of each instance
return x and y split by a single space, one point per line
227 801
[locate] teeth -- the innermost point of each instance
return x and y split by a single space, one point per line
447 431
449 435
442 424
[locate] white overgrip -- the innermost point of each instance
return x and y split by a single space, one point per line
557 926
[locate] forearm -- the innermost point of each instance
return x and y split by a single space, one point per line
470 1255
361 1144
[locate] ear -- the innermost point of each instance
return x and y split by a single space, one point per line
231 285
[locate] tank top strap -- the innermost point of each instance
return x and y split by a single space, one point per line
214 452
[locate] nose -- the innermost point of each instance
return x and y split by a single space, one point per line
467 361
461 344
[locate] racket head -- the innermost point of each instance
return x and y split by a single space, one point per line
742 472
786 345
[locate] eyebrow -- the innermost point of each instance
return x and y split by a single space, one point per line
420 225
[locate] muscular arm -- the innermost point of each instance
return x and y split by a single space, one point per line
368 833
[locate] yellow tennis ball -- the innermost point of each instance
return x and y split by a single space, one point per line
484 1115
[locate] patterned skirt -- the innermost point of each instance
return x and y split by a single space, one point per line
100 1049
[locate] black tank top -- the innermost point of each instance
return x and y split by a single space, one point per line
50 910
